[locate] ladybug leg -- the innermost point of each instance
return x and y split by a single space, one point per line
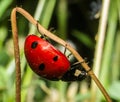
43 36
65 50
85 60
75 73
51 29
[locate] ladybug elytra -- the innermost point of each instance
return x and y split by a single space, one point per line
48 62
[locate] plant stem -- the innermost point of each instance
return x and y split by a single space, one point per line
100 44
17 55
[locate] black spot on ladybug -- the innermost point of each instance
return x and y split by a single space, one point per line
42 66
55 58
34 44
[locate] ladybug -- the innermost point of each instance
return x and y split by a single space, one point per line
49 63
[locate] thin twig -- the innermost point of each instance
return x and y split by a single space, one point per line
62 42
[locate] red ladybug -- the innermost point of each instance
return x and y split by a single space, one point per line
48 62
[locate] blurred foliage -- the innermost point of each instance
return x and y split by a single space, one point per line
74 20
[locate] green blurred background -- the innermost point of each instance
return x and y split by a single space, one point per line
75 21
